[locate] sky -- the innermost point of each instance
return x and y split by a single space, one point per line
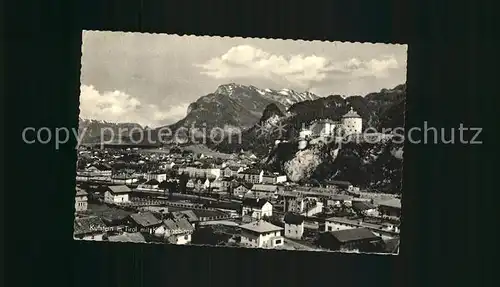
150 79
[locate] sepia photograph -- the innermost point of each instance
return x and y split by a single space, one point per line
241 142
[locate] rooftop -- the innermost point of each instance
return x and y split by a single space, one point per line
261 226
264 187
188 214
80 192
391 245
394 203
207 213
108 213
351 114
145 219
225 205
362 205
245 185
292 218
180 225
355 234
152 182
116 189
254 202
251 171
88 225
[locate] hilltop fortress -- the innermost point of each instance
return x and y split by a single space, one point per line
350 123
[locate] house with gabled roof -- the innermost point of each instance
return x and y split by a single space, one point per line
89 228
117 194
231 171
391 207
190 184
186 214
176 230
391 245
256 208
102 169
144 222
242 189
364 208
357 239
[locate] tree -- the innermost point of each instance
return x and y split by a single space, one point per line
172 188
183 180
163 185
171 173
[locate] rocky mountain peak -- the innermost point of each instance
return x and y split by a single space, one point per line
270 111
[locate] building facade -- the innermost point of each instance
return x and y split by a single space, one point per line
261 234
251 176
352 123
117 194
294 225
81 199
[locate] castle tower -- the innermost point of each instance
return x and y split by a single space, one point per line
352 123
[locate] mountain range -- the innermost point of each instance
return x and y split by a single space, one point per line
244 107
238 106
93 129
229 106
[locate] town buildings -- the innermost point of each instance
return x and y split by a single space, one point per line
243 206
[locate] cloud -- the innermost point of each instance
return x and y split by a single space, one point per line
118 106
246 61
